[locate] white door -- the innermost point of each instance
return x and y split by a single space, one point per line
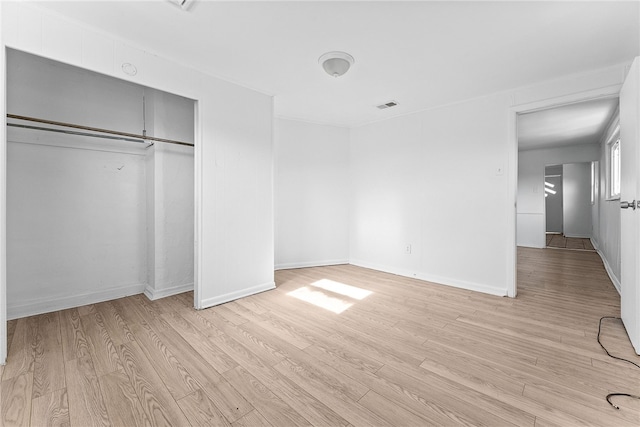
629 215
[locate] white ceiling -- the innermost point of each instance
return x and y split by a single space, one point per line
581 123
420 54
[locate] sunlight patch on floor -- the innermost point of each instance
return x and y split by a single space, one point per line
320 299
342 289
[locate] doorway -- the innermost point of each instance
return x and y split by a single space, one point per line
569 214
553 132
553 199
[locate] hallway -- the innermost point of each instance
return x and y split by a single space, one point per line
562 242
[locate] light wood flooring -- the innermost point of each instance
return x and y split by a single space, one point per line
560 241
400 353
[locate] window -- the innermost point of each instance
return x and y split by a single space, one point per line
594 181
613 164
615 169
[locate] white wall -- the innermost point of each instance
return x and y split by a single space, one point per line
387 196
52 90
76 222
576 184
433 180
606 236
311 194
237 237
172 225
170 186
531 226
233 155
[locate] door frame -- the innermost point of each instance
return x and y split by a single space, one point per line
612 91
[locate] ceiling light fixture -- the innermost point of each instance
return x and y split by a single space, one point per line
336 63
129 69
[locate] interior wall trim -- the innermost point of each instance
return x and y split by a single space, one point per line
607 267
305 264
231 296
471 286
47 305
154 294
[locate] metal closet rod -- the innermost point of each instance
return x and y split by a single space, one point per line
92 129
72 132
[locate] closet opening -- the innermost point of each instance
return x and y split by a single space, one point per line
100 188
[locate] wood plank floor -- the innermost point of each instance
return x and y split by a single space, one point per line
335 346
560 241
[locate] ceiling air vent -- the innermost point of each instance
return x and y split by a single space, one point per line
387 105
183 4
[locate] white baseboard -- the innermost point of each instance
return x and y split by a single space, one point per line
48 304
323 263
577 236
154 294
221 299
607 267
471 286
531 245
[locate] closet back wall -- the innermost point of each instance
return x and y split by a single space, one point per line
75 224
78 207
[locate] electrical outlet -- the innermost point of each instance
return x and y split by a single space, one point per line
407 249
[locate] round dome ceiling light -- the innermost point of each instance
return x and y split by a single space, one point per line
336 63
129 69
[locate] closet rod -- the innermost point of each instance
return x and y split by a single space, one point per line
92 129
71 132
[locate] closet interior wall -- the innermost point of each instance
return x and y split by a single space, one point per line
91 219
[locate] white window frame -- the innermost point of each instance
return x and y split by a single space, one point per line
595 179
615 169
613 165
